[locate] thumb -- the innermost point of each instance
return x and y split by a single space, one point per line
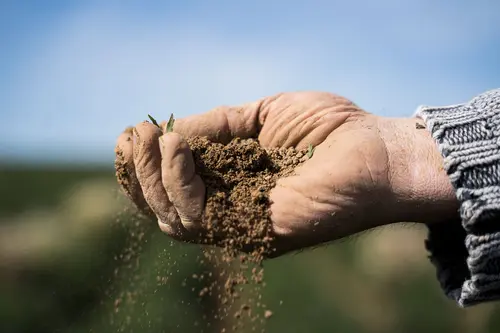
223 123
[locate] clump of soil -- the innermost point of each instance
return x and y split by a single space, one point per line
238 177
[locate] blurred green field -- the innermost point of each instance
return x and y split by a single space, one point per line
71 260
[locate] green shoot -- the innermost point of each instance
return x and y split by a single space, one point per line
170 124
310 151
153 120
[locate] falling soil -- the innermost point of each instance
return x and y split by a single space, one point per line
238 178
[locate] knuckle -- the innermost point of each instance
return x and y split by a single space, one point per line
145 167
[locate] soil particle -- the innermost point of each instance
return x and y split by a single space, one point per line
122 174
268 314
419 126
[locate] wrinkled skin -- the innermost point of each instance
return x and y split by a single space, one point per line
366 170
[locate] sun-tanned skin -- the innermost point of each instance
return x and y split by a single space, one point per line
366 170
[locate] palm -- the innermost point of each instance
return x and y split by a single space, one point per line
323 196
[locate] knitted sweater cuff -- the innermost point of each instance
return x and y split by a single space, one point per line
467 256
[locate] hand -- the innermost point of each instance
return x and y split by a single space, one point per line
366 170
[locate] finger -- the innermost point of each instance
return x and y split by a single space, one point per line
125 172
286 120
147 160
302 118
222 123
184 187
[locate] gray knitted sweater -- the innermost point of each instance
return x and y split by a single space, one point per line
467 254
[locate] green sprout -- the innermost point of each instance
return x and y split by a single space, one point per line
170 124
310 151
153 120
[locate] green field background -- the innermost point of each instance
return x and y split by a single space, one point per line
72 259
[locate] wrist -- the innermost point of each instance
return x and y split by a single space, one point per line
421 189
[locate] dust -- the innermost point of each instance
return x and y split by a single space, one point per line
238 178
137 230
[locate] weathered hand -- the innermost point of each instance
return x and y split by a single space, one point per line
366 170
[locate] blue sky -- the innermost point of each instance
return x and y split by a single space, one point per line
73 74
